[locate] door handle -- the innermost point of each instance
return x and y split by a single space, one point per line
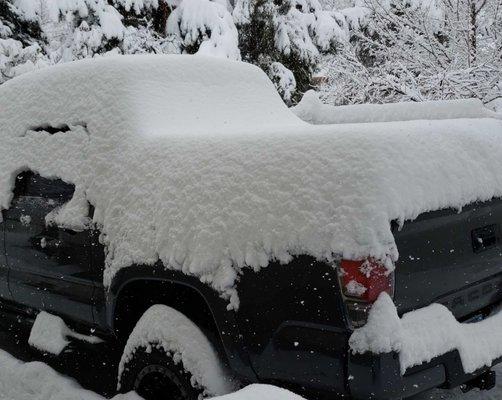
48 243
485 237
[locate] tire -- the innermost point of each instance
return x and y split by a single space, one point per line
167 356
153 374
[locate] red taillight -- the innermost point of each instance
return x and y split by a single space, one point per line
365 279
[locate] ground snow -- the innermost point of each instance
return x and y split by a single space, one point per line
197 162
261 392
37 381
423 334
49 333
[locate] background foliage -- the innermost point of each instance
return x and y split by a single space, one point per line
351 51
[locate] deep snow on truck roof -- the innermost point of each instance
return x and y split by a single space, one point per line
196 161
147 95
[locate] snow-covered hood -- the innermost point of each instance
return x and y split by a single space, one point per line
197 162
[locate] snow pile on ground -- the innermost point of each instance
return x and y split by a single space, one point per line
49 333
423 334
197 162
261 392
312 110
174 333
37 381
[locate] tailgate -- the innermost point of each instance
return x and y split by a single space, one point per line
451 258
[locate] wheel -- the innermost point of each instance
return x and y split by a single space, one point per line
153 375
168 357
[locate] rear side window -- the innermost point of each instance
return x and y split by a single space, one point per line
35 197
29 184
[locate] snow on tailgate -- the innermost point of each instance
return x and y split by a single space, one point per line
197 162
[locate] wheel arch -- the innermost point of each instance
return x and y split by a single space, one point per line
136 295
136 288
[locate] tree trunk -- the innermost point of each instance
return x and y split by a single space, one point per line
161 15
472 32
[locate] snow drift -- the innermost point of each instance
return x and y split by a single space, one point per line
37 381
197 162
260 392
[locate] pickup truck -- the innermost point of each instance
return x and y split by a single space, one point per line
294 320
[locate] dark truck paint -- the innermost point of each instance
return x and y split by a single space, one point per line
292 327
451 257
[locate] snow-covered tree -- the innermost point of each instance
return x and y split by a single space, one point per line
74 29
368 51
287 37
20 43
419 50
205 27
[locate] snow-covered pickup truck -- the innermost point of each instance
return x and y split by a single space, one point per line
174 204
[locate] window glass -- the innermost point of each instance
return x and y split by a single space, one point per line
33 185
35 197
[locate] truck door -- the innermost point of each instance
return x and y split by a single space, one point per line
4 269
50 268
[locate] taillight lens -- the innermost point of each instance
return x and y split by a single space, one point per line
362 281
365 279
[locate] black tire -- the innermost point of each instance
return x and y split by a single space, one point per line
155 376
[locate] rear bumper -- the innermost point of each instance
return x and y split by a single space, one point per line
378 376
